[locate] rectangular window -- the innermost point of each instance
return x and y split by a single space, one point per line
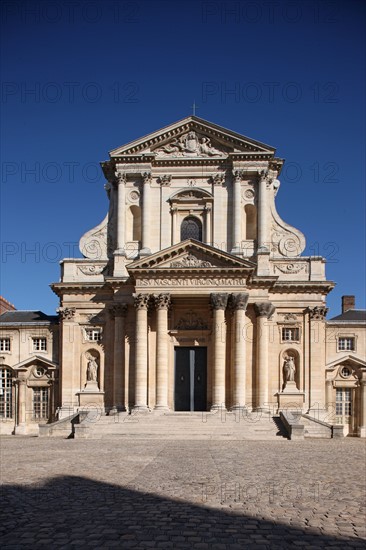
4 344
39 344
343 405
290 334
93 334
40 403
346 344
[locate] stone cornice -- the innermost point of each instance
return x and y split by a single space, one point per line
77 288
303 286
187 124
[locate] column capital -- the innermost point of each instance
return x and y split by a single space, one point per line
165 180
238 175
264 309
219 300
141 301
239 301
162 301
317 313
146 177
118 310
218 179
121 178
66 313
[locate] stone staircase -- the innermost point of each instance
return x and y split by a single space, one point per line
186 426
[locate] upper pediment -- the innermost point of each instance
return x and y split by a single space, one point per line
193 138
191 255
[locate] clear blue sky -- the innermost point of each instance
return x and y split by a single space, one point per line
81 78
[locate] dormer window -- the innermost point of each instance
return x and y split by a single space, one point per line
191 228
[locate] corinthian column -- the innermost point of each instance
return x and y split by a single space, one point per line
121 213
263 310
141 305
218 304
237 212
119 312
146 208
239 304
162 303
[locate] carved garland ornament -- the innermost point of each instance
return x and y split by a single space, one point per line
291 268
290 317
191 321
249 194
92 269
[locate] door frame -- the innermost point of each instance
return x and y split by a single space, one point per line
191 374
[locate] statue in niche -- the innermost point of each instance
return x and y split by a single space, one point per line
289 370
92 369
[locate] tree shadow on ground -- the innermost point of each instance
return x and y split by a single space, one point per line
76 512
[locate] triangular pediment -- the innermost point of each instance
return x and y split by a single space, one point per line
192 137
191 255
351 359
36 360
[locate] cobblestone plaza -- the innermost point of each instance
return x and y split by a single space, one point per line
66 493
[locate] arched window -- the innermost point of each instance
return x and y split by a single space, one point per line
191 228
6 378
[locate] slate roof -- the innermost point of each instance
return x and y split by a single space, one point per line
21 317
351 315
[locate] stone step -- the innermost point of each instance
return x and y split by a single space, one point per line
184 426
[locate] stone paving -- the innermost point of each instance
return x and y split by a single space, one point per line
115 493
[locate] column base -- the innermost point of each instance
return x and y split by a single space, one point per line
215 408
161 408
21 429
362 431
237 408
144 409
116 409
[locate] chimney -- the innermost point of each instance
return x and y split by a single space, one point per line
348 302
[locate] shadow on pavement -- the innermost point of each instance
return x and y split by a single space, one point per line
76 512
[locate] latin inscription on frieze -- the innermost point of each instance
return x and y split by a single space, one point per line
194 281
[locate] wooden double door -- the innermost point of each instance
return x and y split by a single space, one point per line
190 384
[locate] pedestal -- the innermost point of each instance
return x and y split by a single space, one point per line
291 398
91 398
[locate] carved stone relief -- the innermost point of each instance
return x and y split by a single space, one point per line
190 261
191 321
190 144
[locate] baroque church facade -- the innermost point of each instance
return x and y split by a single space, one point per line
193 294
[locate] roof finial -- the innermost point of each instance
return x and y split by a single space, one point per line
194 107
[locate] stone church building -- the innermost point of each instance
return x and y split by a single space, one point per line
193 295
